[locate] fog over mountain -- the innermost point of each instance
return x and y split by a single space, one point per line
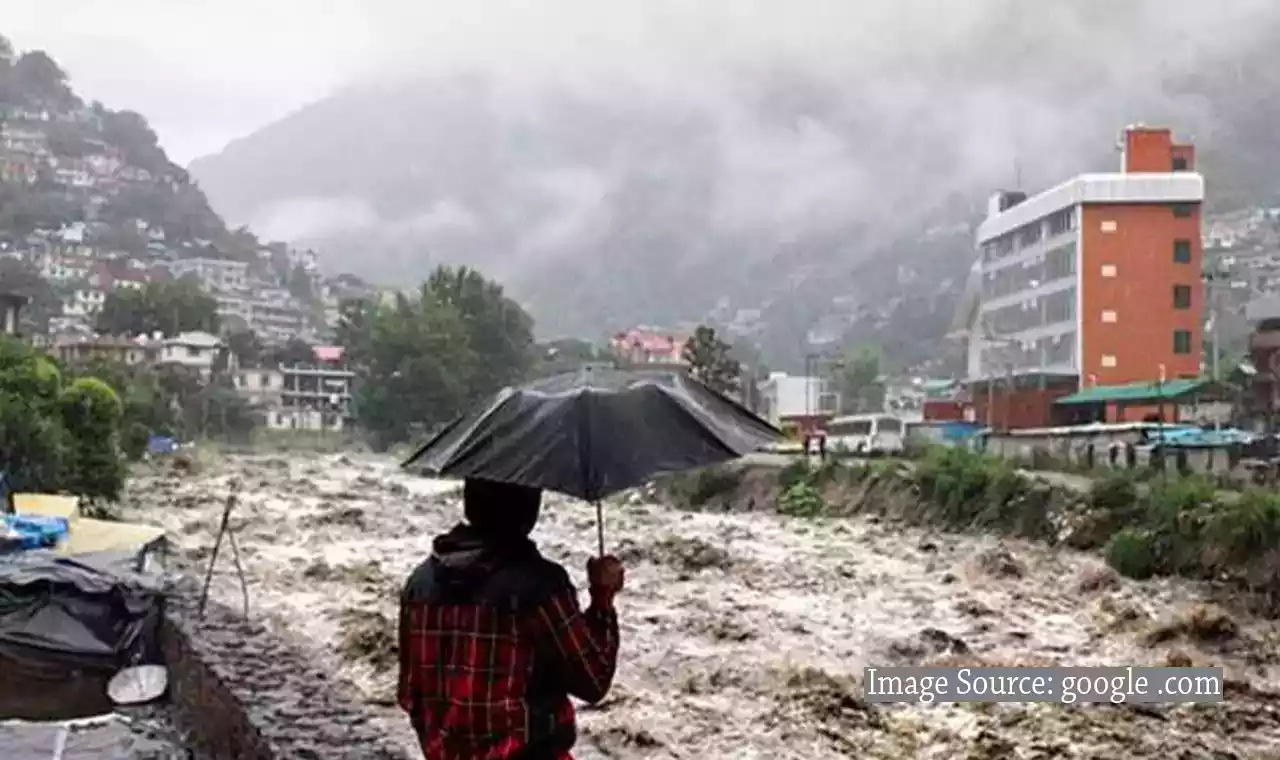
818 161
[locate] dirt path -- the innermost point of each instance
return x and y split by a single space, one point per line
740 629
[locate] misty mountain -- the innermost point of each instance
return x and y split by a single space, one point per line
789 201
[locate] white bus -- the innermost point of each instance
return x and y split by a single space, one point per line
865 434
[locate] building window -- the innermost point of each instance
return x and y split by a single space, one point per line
1109 316
1062 222
1108 361
1108 270
1183 210
1182 251
1179 163
1182 296
1182 341
1108 225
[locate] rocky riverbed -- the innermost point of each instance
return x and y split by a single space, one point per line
744 635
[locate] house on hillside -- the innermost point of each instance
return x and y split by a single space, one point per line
643 346
191 350
81 349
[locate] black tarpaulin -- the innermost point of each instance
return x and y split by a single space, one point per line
593 433
84 611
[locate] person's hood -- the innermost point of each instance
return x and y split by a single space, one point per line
461 559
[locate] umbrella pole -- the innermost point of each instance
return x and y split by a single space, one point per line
600 528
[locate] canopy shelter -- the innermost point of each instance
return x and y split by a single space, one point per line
1134 402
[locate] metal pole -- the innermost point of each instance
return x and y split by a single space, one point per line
1008 398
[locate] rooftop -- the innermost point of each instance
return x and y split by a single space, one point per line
1114 187
1140 391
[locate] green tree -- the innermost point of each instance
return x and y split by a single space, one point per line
299 284
500 331
424 358
246 347
420 368
295 351
130 132
39 78
710 360
860 382
147 409
92 412
354 332
166 307
32 437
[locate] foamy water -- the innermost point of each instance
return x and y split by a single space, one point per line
732 624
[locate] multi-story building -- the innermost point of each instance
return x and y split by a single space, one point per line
81 349
316 395
214 274
191 350
273 315
1093 283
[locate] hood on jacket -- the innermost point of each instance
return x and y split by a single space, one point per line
464 559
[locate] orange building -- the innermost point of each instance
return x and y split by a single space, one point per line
1093 283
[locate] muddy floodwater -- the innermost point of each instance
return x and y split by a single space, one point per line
744 635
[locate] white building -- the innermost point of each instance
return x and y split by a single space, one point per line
83 302
785 397
193 350
273 316
214 274
261 386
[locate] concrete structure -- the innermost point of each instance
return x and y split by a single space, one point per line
1093 282
273 315
192 350
213 274
315 396
1262 400
82 349
805 402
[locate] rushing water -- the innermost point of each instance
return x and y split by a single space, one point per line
739 630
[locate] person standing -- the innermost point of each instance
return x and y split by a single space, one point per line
493 641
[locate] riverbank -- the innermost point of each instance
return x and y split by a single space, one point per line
1170 526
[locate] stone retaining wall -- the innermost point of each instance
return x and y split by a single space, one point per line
246 694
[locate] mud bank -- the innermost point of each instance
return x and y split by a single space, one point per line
744 633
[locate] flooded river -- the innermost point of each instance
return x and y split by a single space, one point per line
743 634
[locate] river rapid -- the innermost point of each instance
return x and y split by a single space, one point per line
745 635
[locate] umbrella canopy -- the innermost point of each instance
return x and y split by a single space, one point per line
593 433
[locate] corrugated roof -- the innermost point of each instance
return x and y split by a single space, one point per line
1140 391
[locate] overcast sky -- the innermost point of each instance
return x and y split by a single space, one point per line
206 71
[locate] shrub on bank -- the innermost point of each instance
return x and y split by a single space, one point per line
56 437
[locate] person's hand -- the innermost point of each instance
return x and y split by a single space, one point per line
606 576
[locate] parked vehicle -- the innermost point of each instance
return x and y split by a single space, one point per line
866 435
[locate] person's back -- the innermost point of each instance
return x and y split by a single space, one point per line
492 640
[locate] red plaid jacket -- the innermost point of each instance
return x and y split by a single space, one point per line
490 652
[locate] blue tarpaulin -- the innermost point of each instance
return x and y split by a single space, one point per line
1198 438
33 531
161 444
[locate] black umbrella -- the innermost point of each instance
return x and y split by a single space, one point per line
593 433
